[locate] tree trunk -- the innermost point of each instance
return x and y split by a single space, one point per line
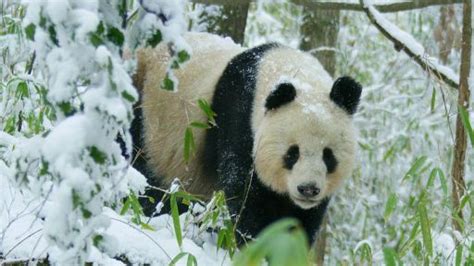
229 22
319 36
459 186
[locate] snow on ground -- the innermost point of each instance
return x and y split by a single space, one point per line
21 236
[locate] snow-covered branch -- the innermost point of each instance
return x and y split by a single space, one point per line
395 6
405 42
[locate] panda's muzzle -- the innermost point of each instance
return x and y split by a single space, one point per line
309 190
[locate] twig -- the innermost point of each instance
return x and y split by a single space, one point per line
21 241
405 42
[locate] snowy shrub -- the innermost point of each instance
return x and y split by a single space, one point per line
65 112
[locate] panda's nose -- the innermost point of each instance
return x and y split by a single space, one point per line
308 190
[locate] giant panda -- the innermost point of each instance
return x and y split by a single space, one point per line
283 140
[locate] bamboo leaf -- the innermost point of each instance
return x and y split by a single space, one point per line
175 216
126 207
390 256
442 179
433 99
425 228
416 167
458 259
206 108
390 206
199 125
177 258
189 145
191 260
467 124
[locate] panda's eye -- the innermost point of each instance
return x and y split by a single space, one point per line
329 160
291 156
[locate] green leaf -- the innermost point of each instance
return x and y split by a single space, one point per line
155 39
96 37
151 199
175 216
425 228
136 207
177 258
433 99
206 108
390 256
467 124
126 206
96 240
365 253
44 168
97 155
282 243
66 108
30 31
127 96
183 56
416 167
191 260
189 145
52 35
42 22
96 40
76 199
199 125
115 36
10 125
147 227
442 179
167 84
458 259
175 64
390 206
86 213
100 28
22 90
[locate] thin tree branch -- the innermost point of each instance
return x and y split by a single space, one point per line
387 7
342 5
406 43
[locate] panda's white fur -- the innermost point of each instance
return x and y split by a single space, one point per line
312 121
168 114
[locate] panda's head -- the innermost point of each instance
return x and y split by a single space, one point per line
305 142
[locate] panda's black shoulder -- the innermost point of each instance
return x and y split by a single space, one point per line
232 102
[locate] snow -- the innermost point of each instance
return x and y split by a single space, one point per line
22 237
444 245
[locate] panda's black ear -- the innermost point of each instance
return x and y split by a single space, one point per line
284 93
346 93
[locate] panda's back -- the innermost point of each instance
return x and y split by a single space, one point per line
166 115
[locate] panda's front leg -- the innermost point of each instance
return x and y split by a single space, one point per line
242 197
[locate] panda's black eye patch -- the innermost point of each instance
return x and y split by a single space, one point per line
329 160
291 156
